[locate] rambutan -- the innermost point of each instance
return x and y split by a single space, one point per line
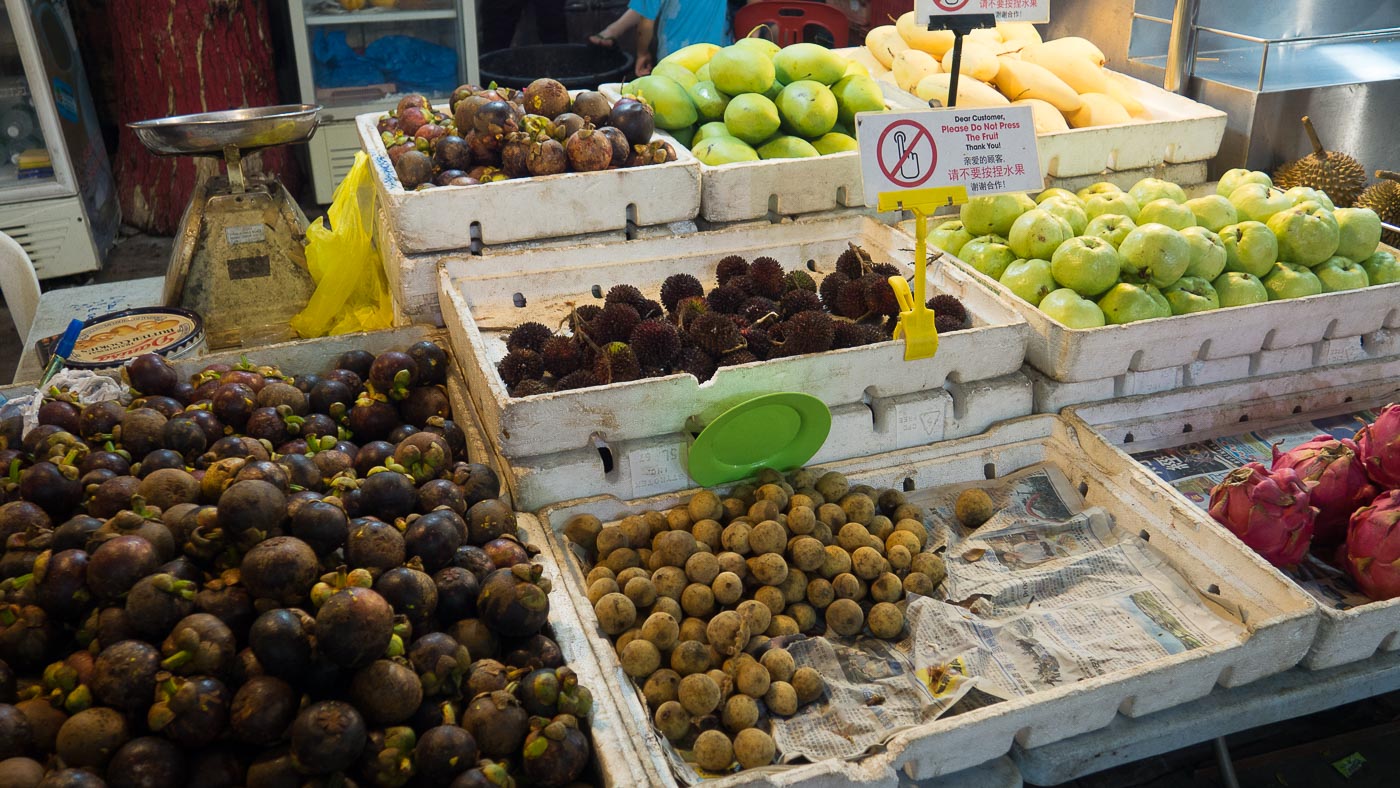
849 334
530 387
806 332
580 379
715 334
677 287
767 275
736 358
799 300
799 280
625 294
830 289
756 307
696 362
730 267
656 343
520 365
727 299
879 296
947 305
616 363
528 336
615 324
561 356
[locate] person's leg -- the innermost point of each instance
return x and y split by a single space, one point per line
498 21
549 21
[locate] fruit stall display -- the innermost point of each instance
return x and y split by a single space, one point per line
1132 124
499 166
773 128
1303 476
707 608
715 307
261 578
1244 271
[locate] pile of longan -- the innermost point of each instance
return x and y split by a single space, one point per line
692 596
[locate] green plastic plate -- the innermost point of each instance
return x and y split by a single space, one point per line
780 431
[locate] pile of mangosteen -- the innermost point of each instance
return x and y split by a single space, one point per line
496 133
251 579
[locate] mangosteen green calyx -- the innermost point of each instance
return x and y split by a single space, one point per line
262 578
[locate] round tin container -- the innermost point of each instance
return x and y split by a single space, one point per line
109 341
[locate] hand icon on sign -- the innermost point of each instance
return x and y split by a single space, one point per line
909 164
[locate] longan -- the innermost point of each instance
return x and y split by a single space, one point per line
640 591
640 658
661 687
774 493
630 635
694 629
698 693
887 588
852 537
794 586
702 568
886 620
770 569
848 586
713 751
880 527
708 532
868 563
637 531
704 505
845 618
583 530
804 477
903 538
858 508
899 557
727 588
597 572
615 613
728 632
767 537
822 533
698 600
918 583
672 720
662 631
809 684
757 614
973 508
656 521
890 501
807 553
740 712
733 507
781 699
601 588
725 683
690 657
771 598
907 511
669 581
735 537
779 664
914 527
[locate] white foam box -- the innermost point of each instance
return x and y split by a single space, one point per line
1176 418
413 278
1180 131
526 209
483 302
1280 618
783 187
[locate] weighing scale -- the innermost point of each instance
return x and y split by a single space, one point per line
239 258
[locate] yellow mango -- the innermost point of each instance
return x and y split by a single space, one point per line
884 42
917 35
978 62
911 66
1097 109
1017 79
1076 69
1082 46
971 93
1047 119
1018 31
1120 89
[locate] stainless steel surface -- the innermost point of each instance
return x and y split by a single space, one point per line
1181 52
208 133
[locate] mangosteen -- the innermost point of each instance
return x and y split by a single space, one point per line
555 751
393 372
515 601
352 379
141 431
36 439
124 675
332 463
184 435
150 373
478 638
374 545
192 712
566 125
231 604
167 487
117 564
281 569
539 691
387 759
397 434
387 692
207 421
457 590
251 507
100 419
220 767
479 483
54 488
446 177
305 383
278 394
388 494
60 583
300 471
507 551
439 493
148 762
424 403
266 471
538 651
237 446
588 150
200 644
44 722
414 101
262 710
218 476
430 132
474 560
182 392
16 736
547 97
165 406
410 591
414 169
71 778
21 772
441 663
269 425
140 522
462 92
372 419
107 626
318 425
443 752
104 460
432 362
452 153
233 403
21 553
497 722
635 120
21 516
159 459
283 642
74 533
593 107
515 150
489 519
372 455
274 769
546 157
495 119
353 627
61 414
423 455
464 110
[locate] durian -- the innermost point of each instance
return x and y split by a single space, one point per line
1383 197
1336 173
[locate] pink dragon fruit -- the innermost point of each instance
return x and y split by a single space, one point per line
1378 445
1267 510
1373 547
1337 482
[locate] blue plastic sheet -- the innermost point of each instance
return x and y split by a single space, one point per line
412 64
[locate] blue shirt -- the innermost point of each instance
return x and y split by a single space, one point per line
681 23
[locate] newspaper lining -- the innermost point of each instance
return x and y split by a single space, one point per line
1194 468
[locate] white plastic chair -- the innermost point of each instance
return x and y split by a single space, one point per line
19 284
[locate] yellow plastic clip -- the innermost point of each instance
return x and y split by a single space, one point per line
915 319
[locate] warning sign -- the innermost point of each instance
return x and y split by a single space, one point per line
1005 10
974 151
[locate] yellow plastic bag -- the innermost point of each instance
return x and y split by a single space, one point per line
351 291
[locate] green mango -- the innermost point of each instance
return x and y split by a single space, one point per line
787 148
737 69
671 104
724 150
809 61
709 102
761 45
808 108
856 94
682 75
835 142
714 128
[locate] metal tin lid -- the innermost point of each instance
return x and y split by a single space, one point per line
111 340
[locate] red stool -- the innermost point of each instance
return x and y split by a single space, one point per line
789 21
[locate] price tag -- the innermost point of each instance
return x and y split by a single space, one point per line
944 156
1005 10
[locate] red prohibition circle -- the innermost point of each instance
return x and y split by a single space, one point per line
920 133
950 5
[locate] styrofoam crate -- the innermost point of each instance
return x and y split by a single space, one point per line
525 209
483 300
413 278
783 187
1180 131
1281 620
1285 334
1176 418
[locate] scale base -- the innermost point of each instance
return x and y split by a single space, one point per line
240 262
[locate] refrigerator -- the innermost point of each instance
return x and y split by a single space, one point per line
358 56
57 195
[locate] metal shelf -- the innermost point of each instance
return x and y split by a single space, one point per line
372 17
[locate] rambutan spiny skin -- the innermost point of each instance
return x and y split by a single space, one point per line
730 267
799 300
1337 482
767 276
696 362
806 332
678 287
799 280
830 289
945 305
616 322
1267 510
1373 547
728 299
656 343
580 379
849 334
715 335
529 336
616 363
1378 445
879 296
520 365
561 355
625 294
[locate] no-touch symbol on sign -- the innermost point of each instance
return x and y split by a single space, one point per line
906 154
949 5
